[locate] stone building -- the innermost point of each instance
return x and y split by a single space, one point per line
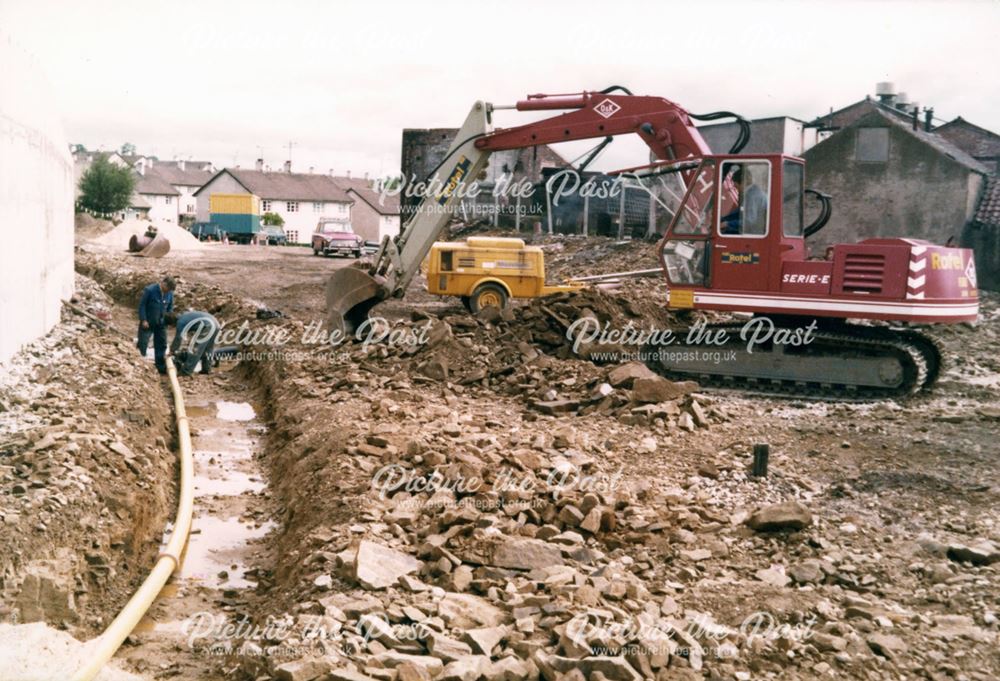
889 179
774 135
979 143
423 149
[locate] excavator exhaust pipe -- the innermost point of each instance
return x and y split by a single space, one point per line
350 294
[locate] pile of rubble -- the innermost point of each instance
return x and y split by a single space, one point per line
483 556
548 353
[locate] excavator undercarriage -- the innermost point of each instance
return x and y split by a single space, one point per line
841 361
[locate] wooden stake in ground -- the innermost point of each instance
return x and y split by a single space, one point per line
761 452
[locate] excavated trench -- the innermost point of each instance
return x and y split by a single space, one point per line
187 632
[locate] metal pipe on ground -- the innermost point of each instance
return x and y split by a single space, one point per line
168 560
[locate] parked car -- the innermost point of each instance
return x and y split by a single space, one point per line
336 237
273 235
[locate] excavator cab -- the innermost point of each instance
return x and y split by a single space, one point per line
728 221
734 239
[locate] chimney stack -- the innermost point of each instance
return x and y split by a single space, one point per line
928 119
260 164
288 166
180 164
331 172
311 170
348 174
366 176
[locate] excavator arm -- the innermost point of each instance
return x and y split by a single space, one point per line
664 126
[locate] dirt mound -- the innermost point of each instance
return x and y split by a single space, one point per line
118 238
89 227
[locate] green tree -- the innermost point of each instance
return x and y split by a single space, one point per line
106 188
127 149
272 219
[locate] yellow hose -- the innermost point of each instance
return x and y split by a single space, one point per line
108 642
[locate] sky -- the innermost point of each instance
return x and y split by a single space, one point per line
233 81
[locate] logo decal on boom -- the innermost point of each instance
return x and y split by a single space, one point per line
454 180
607 108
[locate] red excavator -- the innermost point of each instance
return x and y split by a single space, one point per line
734 233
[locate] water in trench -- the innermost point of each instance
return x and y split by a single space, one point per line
231 518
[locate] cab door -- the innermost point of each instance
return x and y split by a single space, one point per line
686 245
739 258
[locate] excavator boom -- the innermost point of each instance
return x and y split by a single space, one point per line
666 128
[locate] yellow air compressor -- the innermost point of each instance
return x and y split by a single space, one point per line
488 272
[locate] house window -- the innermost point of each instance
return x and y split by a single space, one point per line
341 207
317 207
292 235
169 200
872 145
265 206
190 208
292 206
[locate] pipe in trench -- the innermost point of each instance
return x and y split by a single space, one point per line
107 643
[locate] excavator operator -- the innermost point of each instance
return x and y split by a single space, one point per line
750 214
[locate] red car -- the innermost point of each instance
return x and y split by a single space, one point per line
336 237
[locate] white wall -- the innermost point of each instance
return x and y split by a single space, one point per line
36 204
186 199
162 207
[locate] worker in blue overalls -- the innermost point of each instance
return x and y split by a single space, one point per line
156 303
197 331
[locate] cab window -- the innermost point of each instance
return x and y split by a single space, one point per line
695 214
446 261
746 191
791 198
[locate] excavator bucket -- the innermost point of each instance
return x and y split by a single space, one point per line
149 247
350 294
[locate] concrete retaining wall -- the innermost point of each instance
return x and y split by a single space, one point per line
36 204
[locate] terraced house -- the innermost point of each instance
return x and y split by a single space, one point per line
301 199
